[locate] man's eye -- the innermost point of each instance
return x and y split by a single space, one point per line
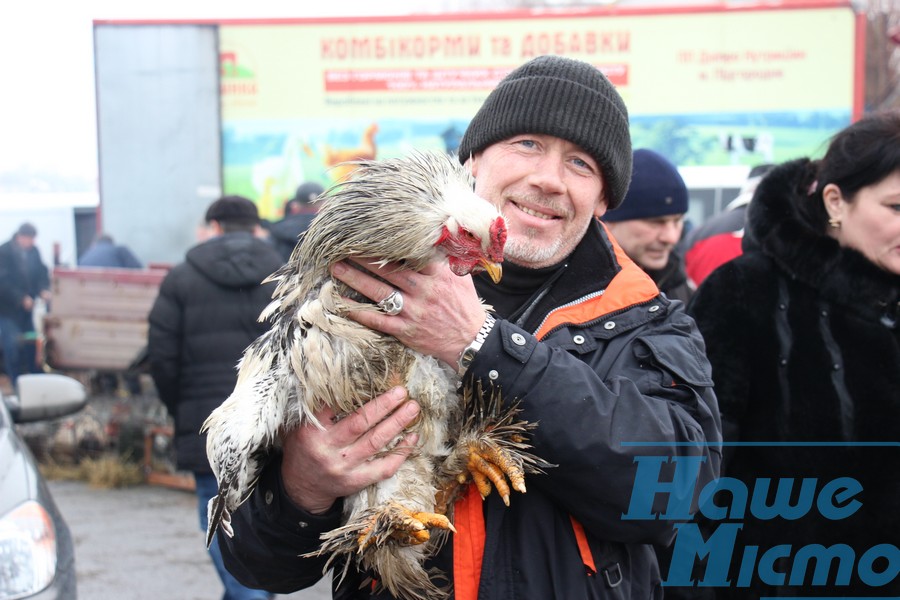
582 164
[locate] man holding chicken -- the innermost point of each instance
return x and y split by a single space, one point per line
580 336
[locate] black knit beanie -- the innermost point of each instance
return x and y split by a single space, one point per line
565 98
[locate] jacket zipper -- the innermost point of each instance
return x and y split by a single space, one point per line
599 318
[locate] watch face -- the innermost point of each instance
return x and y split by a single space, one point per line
466 360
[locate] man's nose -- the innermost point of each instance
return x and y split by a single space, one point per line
548 174
670 232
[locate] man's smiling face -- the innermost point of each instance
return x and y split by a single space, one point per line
548 190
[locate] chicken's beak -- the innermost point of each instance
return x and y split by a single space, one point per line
495 270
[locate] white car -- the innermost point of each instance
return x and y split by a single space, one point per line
37 557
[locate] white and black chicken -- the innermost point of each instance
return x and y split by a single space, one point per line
410 211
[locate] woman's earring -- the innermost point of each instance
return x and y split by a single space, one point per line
834 223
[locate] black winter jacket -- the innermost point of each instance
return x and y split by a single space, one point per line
608 369
286 232
672 280
203 319
21 274
804 342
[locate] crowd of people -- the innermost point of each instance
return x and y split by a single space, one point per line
588 218
764 346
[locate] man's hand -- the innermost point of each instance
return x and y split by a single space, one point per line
441 311
321 466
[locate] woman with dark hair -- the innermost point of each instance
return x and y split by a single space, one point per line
802 332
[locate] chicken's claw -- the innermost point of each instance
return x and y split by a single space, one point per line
402 525
489 463
432 520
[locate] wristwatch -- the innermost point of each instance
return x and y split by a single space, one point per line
469 352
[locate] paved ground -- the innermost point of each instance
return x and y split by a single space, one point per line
142 543
139 543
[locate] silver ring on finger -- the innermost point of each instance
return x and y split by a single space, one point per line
393 304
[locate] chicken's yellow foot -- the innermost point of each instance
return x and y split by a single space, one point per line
484 484
488 464
432 520
401 525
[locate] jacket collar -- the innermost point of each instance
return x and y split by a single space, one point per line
626 286
598 278
671 275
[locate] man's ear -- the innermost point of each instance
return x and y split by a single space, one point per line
215 227
472 165
600 208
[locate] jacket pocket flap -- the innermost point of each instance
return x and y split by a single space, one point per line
681 357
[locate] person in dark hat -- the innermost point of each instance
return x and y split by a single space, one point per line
24 279
204 316
577 333
650 221
298 214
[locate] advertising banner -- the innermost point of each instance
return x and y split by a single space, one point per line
705 88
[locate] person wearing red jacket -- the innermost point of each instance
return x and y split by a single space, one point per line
720 238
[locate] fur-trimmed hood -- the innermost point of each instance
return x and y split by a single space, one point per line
842 275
